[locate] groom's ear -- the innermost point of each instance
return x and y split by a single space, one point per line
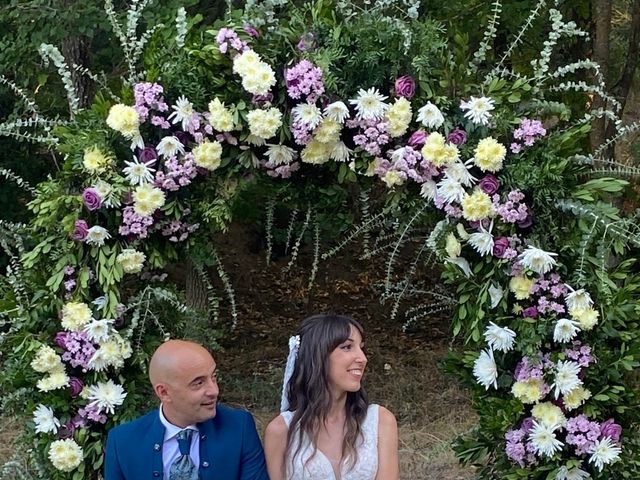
161 391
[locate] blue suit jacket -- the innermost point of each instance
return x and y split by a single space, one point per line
230 448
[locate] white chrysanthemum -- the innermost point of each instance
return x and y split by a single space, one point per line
255 140
337 111
482 242
340 152
370 104
499 338
147 199
567 378
543 439
450 190
460 173
96 235
578 299
430 116
565 330
572 474
65 455
604 452
478 109
106 396
55 380
245 62
259 79
308 114
280 154
537 260
221 117
75 315
111 353
45 420
98 330
131 260
182 112
137 172
485 369
452 246
549 414
170 147
429 189
109 197
46 359
462 263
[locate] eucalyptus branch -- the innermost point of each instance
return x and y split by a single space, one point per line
12 177
316 250
360 229
51 53
489 34
292 221
296 245
271 206
224 278
18 92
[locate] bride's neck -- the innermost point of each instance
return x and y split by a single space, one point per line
337 411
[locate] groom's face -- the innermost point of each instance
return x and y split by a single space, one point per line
192 394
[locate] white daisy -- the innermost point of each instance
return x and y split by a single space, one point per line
567 378
336 111
499 338
459 172
565 330
578 299
370 104
604 452
98 330
280 154
138 172
574 474
463 263
495 293
429 190
450 190
430 116
308 114
543 439
537 260
170 147
478 109
106 396
182 112
96 235
485 369
341 153
45 421
482 241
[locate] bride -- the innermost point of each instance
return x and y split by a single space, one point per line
327 429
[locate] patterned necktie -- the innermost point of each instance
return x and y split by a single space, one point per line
183 468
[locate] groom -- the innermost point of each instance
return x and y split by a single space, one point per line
189 437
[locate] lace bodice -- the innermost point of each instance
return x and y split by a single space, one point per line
319 467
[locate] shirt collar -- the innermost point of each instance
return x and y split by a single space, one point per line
171 430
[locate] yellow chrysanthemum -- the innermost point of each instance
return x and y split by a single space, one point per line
477 206
131 260
221 118
75 315
328 131
489 155
392 178
521 286
453 246
46 359
399 116
528 391
147 199
65 455
438 152
207 155
95 160
587 317
549 414
264 123
576 397
124 119
317 152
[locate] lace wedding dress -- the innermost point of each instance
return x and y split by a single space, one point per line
319 467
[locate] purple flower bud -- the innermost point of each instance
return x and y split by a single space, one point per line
147 154
251 31
418 138
307 42
531 312
182 137
611 429
61 340
527 222
405 86
489 184
500 245
91 199
76 386
457 137
80 231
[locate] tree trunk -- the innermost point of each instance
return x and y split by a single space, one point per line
195 289
601 14
75 49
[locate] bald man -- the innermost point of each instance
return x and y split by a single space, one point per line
190 437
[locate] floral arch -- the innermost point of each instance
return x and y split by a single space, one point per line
479 157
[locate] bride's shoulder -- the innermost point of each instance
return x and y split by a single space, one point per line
277 427
386 419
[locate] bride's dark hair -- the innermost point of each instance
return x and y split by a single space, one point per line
308 387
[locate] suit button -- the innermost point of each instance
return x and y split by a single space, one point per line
205 464
203 437
156 474
156 447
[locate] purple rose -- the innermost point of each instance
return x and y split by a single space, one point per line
67 430
500 246
147 154
527 424
251 31
80 231
76 386
489 184
61 339
611 429
527 222
531 312
418 138
91 199
405 86
182 137
457 137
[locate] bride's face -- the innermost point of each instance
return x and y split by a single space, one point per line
347 363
